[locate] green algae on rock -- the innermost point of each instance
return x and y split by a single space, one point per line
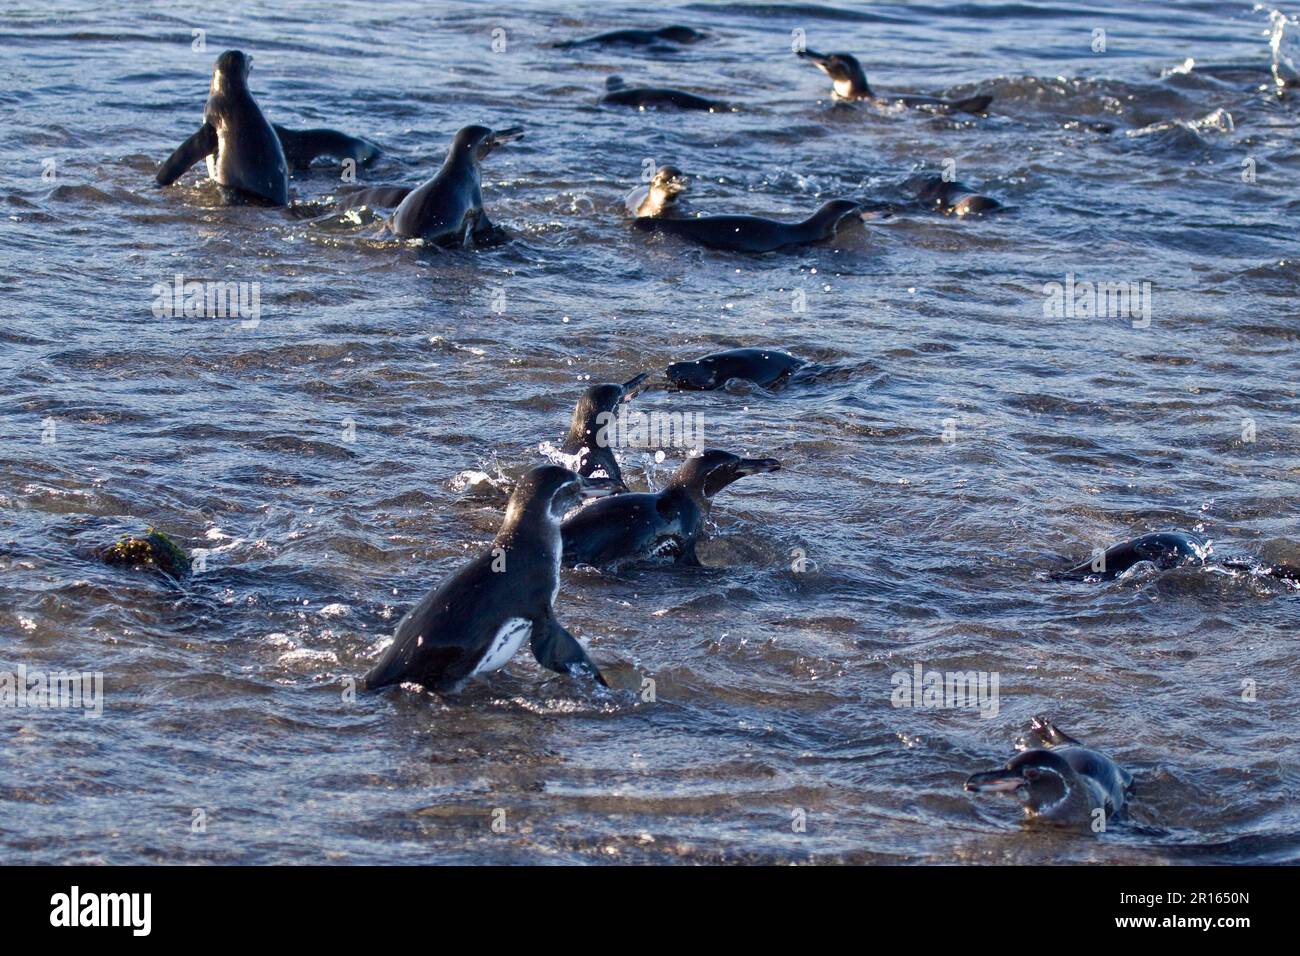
153 549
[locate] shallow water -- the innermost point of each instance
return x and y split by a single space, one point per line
772 685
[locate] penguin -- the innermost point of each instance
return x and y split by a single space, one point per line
1059 780
948 197
755 233
475 620
647 38
448 209
661 196
618 93
764 367
588 428
1165 550
668 522
246 154
850 83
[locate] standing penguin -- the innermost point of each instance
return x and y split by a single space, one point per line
1058 779
246 154
589 427
669 522
448 209
476 619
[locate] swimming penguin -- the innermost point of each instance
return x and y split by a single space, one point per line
1165 550
660 196
1058 779
850 83
448 209
948 197
754 233
476 619
765 367
665 523
589 426
247 155
618 93
651 38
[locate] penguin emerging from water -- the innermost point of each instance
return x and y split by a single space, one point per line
1058 779
476 619
948 196
849 82
1164 550
247 156
618 93
448 209
668 522
661 196
589 427
765 367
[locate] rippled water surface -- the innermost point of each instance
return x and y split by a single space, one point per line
772 677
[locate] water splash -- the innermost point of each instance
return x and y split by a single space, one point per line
1284 44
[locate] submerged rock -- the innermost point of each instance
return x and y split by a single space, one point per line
153 549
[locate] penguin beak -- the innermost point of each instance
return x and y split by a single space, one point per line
995 781
633 385
599 488
818 60
756 466
501 136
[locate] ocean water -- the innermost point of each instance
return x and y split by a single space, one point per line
961 443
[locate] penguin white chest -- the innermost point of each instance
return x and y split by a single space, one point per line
508 638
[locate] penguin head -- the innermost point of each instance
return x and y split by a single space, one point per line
475 142
700 374
830 213
706 474
548 492
846 73
231 71
668 183
679 34
1043 780
587 427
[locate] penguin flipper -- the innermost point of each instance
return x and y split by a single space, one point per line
1126 779
202 143
558 650
375 196
302 146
